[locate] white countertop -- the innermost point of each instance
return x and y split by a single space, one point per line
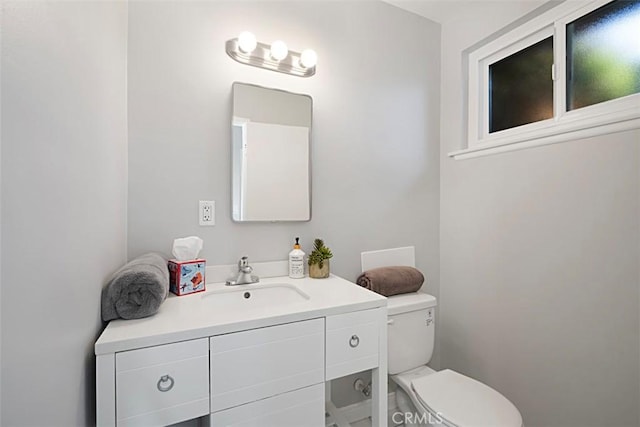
187 317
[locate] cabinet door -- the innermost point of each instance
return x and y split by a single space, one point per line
352 343
162 385
259 363
304 407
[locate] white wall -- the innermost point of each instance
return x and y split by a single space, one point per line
539 272
374 149
1 13
63 200
375 127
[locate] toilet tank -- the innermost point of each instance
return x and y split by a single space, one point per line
411 331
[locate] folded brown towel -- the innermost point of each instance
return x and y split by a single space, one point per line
389 281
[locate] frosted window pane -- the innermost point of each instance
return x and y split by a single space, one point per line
603 54
521 88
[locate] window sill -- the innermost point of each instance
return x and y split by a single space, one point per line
539 139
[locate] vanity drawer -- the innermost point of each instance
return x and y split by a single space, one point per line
162 385
259 363
352 343
304 407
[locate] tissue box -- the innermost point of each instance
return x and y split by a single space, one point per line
186 277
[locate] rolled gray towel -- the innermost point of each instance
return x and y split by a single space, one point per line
393 280
137 289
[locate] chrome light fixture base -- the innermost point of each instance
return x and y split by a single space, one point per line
261 57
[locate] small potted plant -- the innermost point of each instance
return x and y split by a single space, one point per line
319 260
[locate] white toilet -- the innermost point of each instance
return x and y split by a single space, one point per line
427 397
424 396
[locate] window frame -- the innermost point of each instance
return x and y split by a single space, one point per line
609 116
485 63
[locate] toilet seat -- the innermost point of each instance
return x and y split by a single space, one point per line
463 401
457 400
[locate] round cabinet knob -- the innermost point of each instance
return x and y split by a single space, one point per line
165 383
354 341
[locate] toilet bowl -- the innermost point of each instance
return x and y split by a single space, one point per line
426 397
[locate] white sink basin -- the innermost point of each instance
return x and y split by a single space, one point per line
256 296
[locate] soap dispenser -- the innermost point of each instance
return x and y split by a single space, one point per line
296 261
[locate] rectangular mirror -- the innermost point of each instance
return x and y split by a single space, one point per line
271 131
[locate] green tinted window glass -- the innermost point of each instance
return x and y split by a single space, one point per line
521 88
603 54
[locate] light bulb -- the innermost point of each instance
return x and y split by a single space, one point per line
279 50
308 58
247 42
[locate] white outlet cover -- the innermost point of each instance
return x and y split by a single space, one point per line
207 212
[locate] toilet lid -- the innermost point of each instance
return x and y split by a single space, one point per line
463 401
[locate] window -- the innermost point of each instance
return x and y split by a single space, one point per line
603 54
571 72
521 88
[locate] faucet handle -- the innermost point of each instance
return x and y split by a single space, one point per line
244 274
243 265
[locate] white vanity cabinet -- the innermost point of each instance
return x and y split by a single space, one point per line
352 341
251 370
304 407
163 384
269 366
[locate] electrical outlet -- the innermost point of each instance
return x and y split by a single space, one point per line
207 212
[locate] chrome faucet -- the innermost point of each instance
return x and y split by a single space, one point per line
244 274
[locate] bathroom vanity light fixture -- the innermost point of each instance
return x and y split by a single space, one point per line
275 57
